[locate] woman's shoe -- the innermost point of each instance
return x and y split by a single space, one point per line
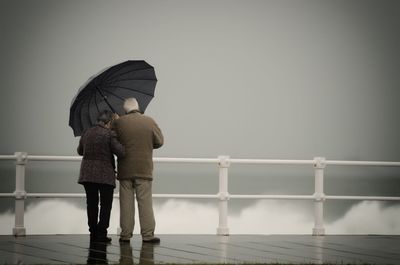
103 239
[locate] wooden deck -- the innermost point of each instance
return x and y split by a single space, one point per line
188 249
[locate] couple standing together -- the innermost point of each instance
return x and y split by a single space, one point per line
132 139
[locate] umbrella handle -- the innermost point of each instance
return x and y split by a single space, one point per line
105 99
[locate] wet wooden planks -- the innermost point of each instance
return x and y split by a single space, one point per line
187 249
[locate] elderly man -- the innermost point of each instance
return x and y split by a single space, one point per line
140 135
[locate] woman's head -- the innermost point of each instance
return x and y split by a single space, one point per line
105 117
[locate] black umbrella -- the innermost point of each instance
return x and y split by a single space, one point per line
109 89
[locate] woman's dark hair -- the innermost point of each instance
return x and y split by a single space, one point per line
104 117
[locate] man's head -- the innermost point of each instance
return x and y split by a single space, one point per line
131 104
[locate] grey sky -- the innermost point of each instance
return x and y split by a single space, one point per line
272 79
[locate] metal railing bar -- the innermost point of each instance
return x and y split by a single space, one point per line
186 196
362 163
216 160
155 159
215 196
272 197
271 161
56 195
116 195
8 157
363 198
53 158
7 195
185 160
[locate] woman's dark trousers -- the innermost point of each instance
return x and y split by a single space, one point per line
98 224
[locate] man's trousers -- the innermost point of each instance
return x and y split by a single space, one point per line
143 190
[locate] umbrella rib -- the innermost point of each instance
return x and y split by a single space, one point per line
109 72
88 110
90 117
117 68
115 95
79 113
131 89
81 96
95 100
78 103
129 79
133 70
78 123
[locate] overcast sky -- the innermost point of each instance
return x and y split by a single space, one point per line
272 79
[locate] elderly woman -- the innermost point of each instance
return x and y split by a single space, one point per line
98 146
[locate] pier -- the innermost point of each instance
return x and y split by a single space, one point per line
201 249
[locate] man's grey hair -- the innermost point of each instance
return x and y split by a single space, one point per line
131 104
104 117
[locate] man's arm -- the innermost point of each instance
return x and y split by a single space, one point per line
116 147
158 138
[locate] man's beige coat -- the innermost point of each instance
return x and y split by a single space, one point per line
140 135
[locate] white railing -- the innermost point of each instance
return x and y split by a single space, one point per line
223 162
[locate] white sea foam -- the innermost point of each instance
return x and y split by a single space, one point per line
183 217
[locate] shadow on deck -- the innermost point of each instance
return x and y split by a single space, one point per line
187 249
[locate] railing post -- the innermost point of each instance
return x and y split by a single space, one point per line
20 193
319 197
223 195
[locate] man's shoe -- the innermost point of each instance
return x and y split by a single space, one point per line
122 240
154 240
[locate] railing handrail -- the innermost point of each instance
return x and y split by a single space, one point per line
223 162
247 161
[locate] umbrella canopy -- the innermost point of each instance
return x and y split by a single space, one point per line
108 90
